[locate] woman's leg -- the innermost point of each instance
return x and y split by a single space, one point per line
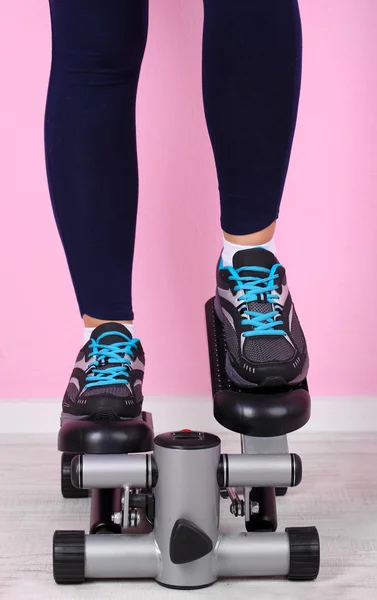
251 82
97 50
90 141
252 51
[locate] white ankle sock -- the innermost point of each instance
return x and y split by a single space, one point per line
87 333
230 249
89 330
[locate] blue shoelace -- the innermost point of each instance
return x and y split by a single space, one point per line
257 288
111 353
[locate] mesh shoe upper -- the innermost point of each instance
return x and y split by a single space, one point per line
108 374
264 338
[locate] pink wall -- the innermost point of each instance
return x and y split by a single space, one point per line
326 235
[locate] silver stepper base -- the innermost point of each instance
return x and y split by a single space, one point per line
185 549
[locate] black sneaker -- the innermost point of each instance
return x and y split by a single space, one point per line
107 378
265 343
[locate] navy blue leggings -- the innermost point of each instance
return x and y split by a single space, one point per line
252 52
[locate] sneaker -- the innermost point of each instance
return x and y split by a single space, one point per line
265 343
107 378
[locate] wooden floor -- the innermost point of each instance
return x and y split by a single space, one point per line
338 495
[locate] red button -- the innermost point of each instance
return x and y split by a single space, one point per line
186 430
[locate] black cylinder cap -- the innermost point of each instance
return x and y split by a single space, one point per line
296 470
304 549
69 556
187 440
76 471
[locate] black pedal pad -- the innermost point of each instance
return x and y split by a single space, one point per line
84 436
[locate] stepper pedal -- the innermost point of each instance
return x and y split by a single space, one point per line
258 412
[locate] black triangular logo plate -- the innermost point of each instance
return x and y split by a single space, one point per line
188 543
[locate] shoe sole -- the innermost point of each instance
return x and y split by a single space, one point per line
107 415
271 381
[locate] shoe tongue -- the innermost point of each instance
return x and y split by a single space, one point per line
254 257
111 339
